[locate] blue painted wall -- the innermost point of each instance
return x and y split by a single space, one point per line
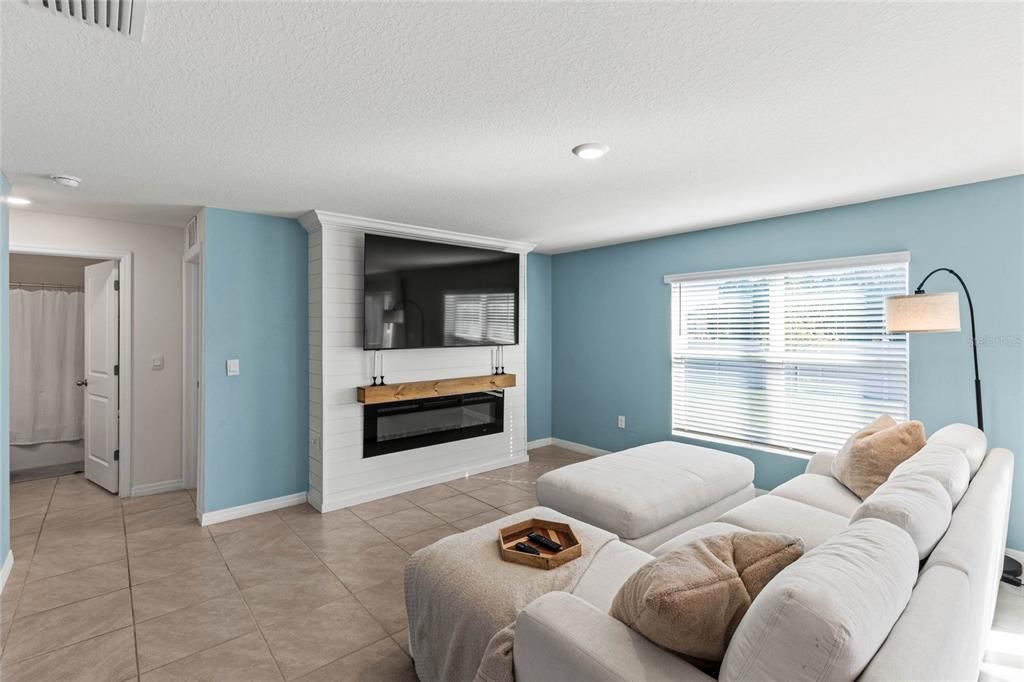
5 374
611 315
256 298
538 346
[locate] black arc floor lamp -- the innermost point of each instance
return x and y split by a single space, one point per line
921 312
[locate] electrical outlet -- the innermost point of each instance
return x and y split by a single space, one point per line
622 422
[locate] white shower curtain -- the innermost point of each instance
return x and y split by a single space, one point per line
47 356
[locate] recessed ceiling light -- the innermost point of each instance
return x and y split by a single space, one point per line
17 201
589 151
66 180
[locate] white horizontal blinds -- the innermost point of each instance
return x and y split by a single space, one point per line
479 318
795 359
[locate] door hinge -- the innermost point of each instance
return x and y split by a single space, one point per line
117 370
117 285
117 455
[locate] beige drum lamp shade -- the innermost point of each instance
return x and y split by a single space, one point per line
923 313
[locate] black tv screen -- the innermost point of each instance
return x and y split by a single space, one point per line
430 295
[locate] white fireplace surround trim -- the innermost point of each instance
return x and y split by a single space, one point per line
339 476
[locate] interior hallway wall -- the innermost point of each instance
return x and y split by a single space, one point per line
157 253
256 310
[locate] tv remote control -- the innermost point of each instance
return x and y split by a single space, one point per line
547 543
523 547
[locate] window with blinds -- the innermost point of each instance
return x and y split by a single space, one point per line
793 357
479 318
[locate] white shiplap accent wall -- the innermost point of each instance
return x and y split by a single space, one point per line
338 474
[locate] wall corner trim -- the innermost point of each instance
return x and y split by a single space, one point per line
539 443
5 570
243 510
319 220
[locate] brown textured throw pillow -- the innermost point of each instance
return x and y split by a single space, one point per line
691 599
867 459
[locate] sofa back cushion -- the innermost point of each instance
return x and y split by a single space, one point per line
870 455
825 616
971 441
914 502
944 463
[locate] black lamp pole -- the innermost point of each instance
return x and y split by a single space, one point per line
1011 567
974 336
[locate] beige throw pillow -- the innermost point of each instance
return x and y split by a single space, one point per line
870 455
692 599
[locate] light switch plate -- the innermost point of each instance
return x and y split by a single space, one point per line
233 368
157 362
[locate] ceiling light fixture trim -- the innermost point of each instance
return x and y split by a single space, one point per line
590 151
66 180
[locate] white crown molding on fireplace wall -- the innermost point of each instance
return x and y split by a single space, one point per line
338 474
319 220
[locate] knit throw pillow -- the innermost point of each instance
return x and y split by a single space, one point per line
692 599
870 455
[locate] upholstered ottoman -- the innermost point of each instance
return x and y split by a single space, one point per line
652 493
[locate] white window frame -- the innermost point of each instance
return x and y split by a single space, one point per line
894 258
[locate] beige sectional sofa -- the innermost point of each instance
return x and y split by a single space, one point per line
901 586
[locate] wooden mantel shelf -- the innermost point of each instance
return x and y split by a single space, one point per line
391 393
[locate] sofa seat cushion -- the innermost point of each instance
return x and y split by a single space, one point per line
825 616
774 514
692 599
702 531
968 439
945 464
914 502
823 492
638 491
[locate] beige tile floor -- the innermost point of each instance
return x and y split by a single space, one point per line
110 590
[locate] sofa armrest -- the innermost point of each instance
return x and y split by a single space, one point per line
559 637
820 463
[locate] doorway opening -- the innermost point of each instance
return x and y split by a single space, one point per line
70 390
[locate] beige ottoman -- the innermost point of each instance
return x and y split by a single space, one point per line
652 493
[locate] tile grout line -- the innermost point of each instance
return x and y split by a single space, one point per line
28 571
25 584
131 595
241 595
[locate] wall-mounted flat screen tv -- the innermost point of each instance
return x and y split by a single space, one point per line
428 295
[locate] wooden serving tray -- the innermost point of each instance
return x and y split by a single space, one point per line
547 559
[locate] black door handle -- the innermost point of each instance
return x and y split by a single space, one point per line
82 382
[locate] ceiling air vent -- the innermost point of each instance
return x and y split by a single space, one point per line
122 16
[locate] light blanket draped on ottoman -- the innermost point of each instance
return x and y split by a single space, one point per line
459 594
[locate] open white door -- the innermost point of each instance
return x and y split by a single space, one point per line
101 374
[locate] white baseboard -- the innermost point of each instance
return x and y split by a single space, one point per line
156 488
243 510
368 495
1016 554
539 443
5 570
579 447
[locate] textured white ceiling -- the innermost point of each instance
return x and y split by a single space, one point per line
461 116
